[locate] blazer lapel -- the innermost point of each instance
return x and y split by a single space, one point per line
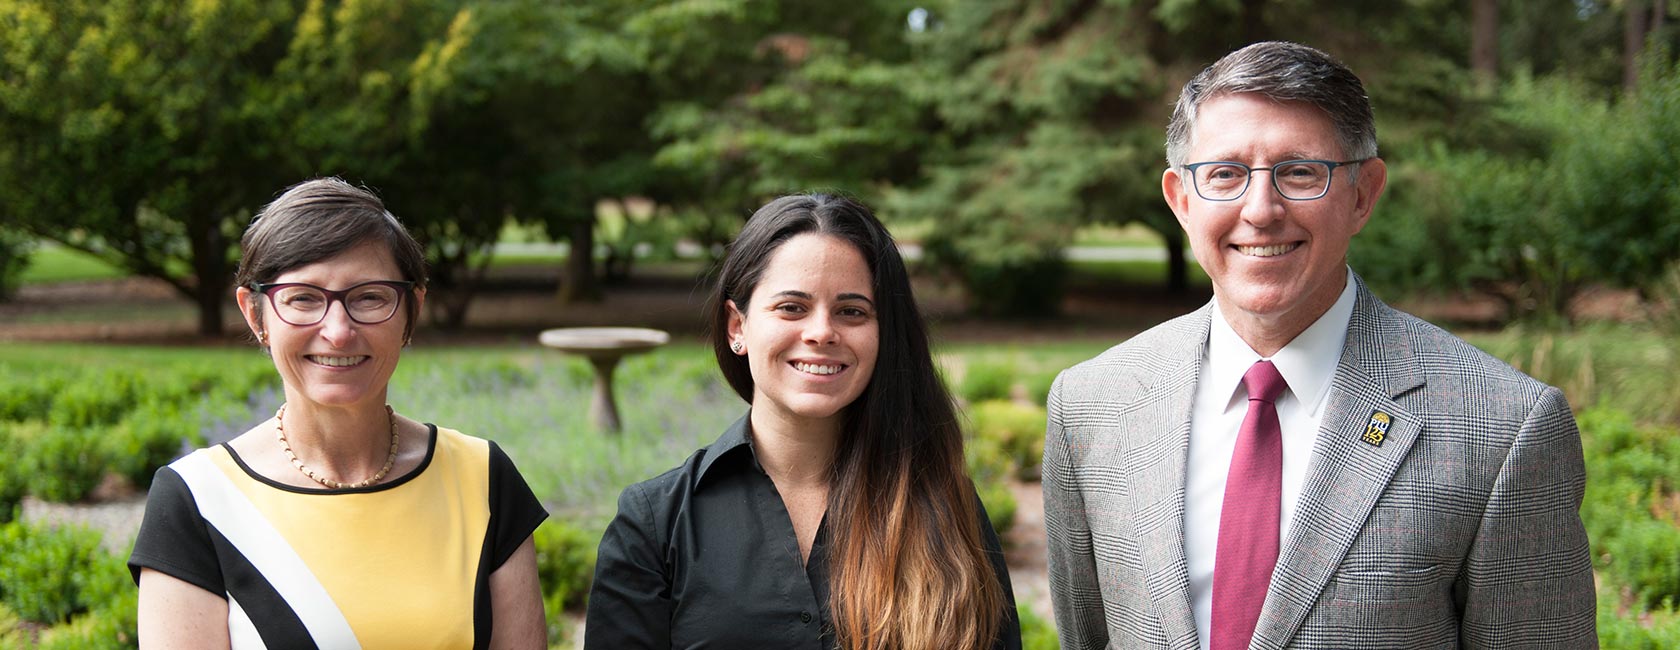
1155 470
1353 459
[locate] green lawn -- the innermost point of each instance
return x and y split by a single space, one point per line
1133 273
28 357
1130 235
506 260
54 263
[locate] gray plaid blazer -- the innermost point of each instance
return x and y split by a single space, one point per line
1458 526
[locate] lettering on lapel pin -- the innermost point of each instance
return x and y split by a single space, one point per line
1377 430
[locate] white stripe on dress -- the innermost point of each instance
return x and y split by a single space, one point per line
236 518
241 631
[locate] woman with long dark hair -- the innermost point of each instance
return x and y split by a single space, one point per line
838 512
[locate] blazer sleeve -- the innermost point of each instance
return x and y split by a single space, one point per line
630 602
1527 581
1074 590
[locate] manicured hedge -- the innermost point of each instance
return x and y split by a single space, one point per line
1631 509
987 381
68 426
1017 428
51 574
990 466
565 567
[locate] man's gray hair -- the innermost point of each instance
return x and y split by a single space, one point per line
1284 72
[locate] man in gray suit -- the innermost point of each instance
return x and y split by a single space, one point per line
1296 464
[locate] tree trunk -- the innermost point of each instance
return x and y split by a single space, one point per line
1484 43
579 285
1633 43
455 305
210 311
460 297
455 281
210 266
1178 267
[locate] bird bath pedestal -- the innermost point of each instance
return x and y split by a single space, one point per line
604 346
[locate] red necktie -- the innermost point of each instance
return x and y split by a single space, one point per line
1248 522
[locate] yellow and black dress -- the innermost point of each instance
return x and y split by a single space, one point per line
404 564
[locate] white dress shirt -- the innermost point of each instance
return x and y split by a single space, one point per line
1307 364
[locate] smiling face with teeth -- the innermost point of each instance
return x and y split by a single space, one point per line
809 331
336 362
1276 264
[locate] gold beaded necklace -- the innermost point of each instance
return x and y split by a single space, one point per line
280 430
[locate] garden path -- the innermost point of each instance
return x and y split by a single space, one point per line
1029 573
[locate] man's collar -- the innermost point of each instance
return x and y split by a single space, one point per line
1307 363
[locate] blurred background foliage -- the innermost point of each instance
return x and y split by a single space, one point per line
1532 149
1531 144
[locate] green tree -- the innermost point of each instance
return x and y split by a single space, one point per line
168 127
757 99
1050 116
1617 183
1576 189
126 131
439 106
530 110
590 127
366 91
15 248
1006 125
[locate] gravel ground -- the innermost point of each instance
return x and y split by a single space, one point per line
118 519
1028 572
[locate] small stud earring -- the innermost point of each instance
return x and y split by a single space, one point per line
262 338
736 347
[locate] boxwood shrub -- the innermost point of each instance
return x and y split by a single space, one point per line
150 437
50 574
62 464
987 381
565 567
1018 430
990 467
12 484
1629 507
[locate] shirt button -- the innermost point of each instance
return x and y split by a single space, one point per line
805 617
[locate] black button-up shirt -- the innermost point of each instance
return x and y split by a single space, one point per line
704 556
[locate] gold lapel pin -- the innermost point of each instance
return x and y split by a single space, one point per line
1377 429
